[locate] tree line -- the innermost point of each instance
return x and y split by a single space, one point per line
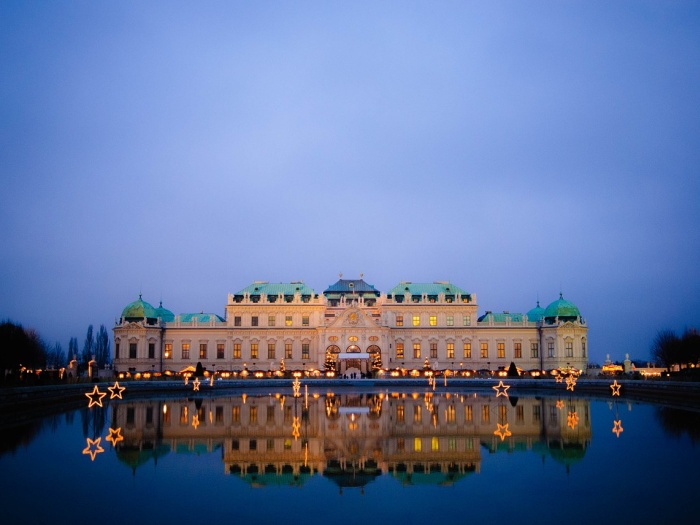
670 349
23 347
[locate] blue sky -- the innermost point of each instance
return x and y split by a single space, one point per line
517 149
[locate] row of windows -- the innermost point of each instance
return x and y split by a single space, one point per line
467 350
271 320
254 351
451 413
432 320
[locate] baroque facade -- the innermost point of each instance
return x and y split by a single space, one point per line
352 329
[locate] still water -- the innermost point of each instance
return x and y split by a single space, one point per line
346 457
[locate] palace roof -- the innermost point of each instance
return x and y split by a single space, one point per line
264 287
435 288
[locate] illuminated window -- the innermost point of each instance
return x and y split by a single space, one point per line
236 350
434 444
417 413
235 414
288 320
253 350
517 350
569 349
399 350
287 350
417 444
270 444
433 320
416 320
151 350
219 350
433 350
416 350
184 415
399 320
501 349
353 338
270 350
400 413
185 350
270 414
467 350
484 350
450 350
132 350
253 415
304 320
452 444
468 414
287 444
451 414
534 350
485 413
305 350
502 412
202 350
400 444
219 415
450 320
270 320
466 320
168 352
254 321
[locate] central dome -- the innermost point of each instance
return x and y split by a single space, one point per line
139 309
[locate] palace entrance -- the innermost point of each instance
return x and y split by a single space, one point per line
353 363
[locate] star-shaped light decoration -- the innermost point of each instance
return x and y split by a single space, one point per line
615 388
93 447
558 378
572 419
560 404
195 384
617 427
115 436
502 431
501 389
295 428
296 386
195 421
116 390
570 383
95 397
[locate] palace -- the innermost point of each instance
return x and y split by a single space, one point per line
351 329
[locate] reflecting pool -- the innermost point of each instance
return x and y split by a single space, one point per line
392 456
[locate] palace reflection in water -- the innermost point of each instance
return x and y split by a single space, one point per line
352 438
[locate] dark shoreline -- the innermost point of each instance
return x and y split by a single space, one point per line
20 399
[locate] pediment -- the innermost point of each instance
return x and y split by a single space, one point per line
353 317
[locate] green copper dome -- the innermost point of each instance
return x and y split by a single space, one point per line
138 310
536 314
562 309
164 314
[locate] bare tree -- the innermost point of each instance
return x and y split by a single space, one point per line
665 348
102 347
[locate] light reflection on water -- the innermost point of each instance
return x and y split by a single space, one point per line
401 456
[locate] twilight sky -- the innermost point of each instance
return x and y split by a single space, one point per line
517 149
